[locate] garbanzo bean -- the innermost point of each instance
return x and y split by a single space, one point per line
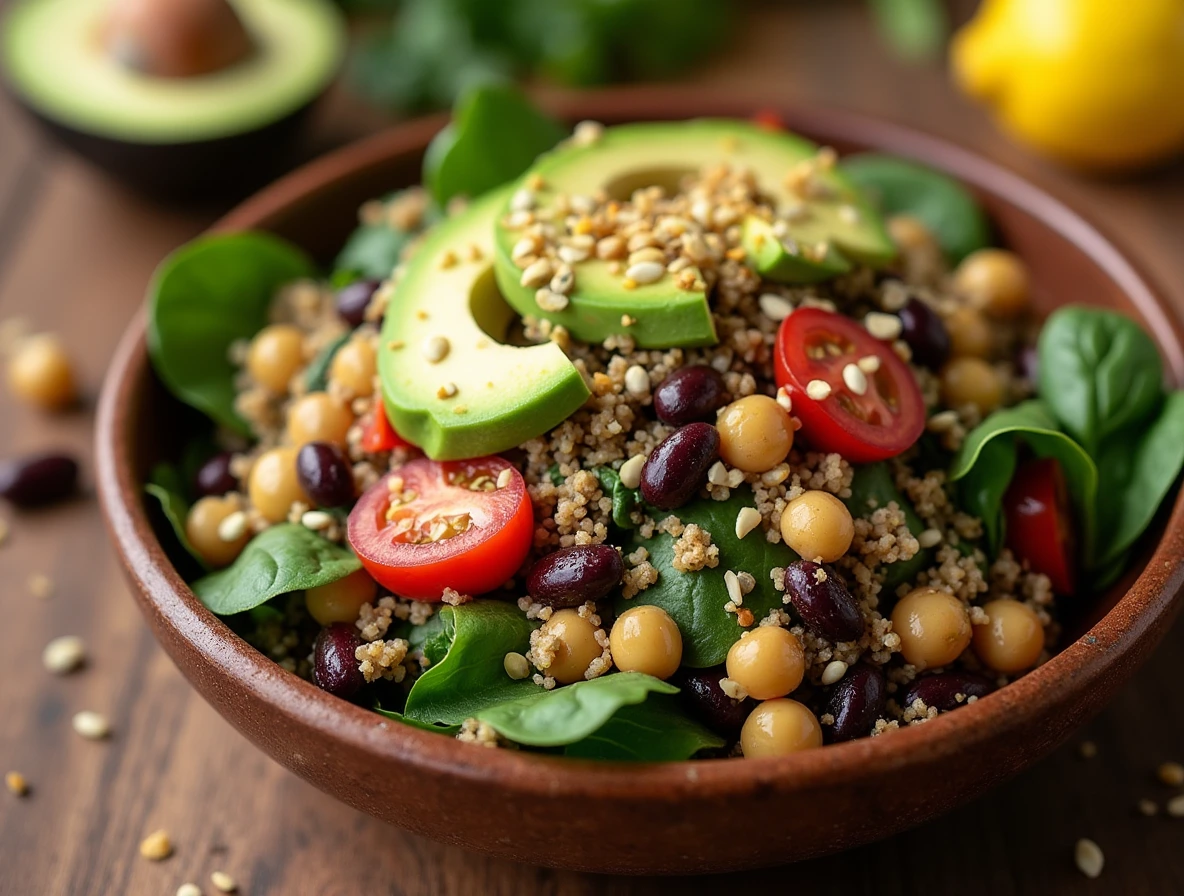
755 434
353 368
933 626
994 281
204 529
275 355
911 235
575 645
779 728
645 639
340 601
273 486
767 662
319 417
970 334
971 381
818 526
1013 638
40 373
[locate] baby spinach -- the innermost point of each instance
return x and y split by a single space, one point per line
654 731
279 560
901 187
203 297
166 485
316 376
695 600
415 723
872 486
470 676
373 250
495 135
1099 373
983 488
625 500
569 714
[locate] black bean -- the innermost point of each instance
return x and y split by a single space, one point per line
353 300
214 476
703 698
823 601
942 689
574 576
856 701
38 479
925 332
334 664
676 470
325 474
689 395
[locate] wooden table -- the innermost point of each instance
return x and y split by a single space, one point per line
75 254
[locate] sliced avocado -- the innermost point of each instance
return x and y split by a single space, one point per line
628 157
450 386
786 261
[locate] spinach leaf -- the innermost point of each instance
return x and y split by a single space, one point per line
983 488
568 714
1141 468
496 133
166 485
654 731
374 250
872 486
316 376
277 561
901 187
471 676
414 723
625 500
434 637
203 297
1099 373
695 600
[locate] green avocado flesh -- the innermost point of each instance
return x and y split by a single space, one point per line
55 63
504 394
632 156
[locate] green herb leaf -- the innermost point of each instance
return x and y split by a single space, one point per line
316 376
1100 373
872 486
471 675
166 486
569 714
900 187
496 134
374 250
654 731
695 600
625 500
277 561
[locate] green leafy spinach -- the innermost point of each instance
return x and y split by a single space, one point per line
316 376
654 731
625 500
166 485
374 250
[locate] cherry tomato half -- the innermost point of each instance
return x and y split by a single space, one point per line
1040 522
378 434
869 414
448 526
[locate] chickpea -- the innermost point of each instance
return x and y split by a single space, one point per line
319 417
818 526
1013 638
779 728
911 235
933 626
994 281
203 528
575 645
275 355
755 434
645 639
340 601
353 368
970 334
39 372
767 662
971 381
273 486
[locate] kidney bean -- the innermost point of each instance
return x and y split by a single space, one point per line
856 701
925 332
823 601
214 478
676 470
353 300
941 690
38 479
701 695
334 664
689 395
325 474
574 576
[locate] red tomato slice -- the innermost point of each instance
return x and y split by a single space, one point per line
379 435
769 119
447 526
883 420
1040 522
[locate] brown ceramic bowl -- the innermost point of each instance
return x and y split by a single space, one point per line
679 817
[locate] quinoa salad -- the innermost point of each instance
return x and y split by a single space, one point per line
656 441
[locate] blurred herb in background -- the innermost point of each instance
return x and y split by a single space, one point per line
915 30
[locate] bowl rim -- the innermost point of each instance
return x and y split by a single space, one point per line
166 597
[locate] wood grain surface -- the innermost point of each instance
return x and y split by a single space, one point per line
75 255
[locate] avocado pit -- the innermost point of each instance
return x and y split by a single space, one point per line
175 38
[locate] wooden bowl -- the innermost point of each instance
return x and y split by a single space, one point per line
679 817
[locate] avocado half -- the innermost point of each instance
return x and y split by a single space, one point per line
168 136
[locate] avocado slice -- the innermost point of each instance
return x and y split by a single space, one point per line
450 385
832 215
163 133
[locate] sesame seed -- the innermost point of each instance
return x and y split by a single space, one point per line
189 889
64 655
782 398
930 538
869 363
819 390
1089 858
519 219
223 882
524 248
448 390
522 200
586 133
505 477
233 527
91 725
718 474
733 689
537 274
630 471
628 320
435 349
572 254
775 307
746 520
649 253
156 846
1175 806
516 666
701 211
848 214
550 300
645 272
610 247
316 520
637 381
1171 774
834 671
732 583
855 379
942 421
16 783
1147 807
563 281
883 326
